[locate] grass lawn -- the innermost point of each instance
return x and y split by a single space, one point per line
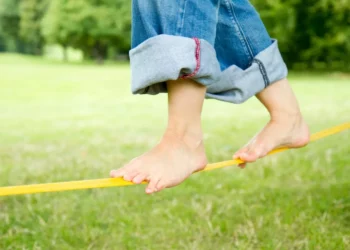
61 122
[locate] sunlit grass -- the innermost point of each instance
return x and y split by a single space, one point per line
63 122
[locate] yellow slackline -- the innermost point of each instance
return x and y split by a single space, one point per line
118 182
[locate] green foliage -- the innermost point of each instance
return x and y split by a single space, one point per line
92 26
280 19
9 25
311 33
20 25
9 17
331 41
31 13
51 25
2 43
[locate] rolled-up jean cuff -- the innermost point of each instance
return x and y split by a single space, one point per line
237 85
165 57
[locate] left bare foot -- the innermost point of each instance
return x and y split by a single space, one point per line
281 131
286 128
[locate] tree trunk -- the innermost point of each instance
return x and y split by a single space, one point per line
99 52
65 55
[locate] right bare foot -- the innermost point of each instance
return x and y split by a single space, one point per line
168 164
181 151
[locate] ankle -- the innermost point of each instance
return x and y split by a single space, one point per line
280 116
192 136
280 100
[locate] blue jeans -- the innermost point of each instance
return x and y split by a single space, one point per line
221 44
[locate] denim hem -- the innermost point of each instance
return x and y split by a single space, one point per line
237 85
166 57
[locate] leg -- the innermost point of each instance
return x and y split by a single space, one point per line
241 35
249 59
163 59
181 150
286 127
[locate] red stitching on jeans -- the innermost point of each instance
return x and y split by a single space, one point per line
198 60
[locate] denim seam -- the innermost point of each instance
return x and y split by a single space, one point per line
263 71
240 32
181 20
243 35
198 59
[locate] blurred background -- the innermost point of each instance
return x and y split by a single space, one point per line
312 34
67 113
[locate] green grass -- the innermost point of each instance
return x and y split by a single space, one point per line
61 122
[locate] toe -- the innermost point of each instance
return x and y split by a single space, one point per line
161 185
152 186
249 156
238 154
117 173
132 169
129 175
139 178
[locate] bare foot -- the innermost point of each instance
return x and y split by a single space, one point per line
168 164
283 130
286 128
181 151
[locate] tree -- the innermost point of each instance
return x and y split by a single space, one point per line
31 13
52 28
309 30
330 32
89 25
9 24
